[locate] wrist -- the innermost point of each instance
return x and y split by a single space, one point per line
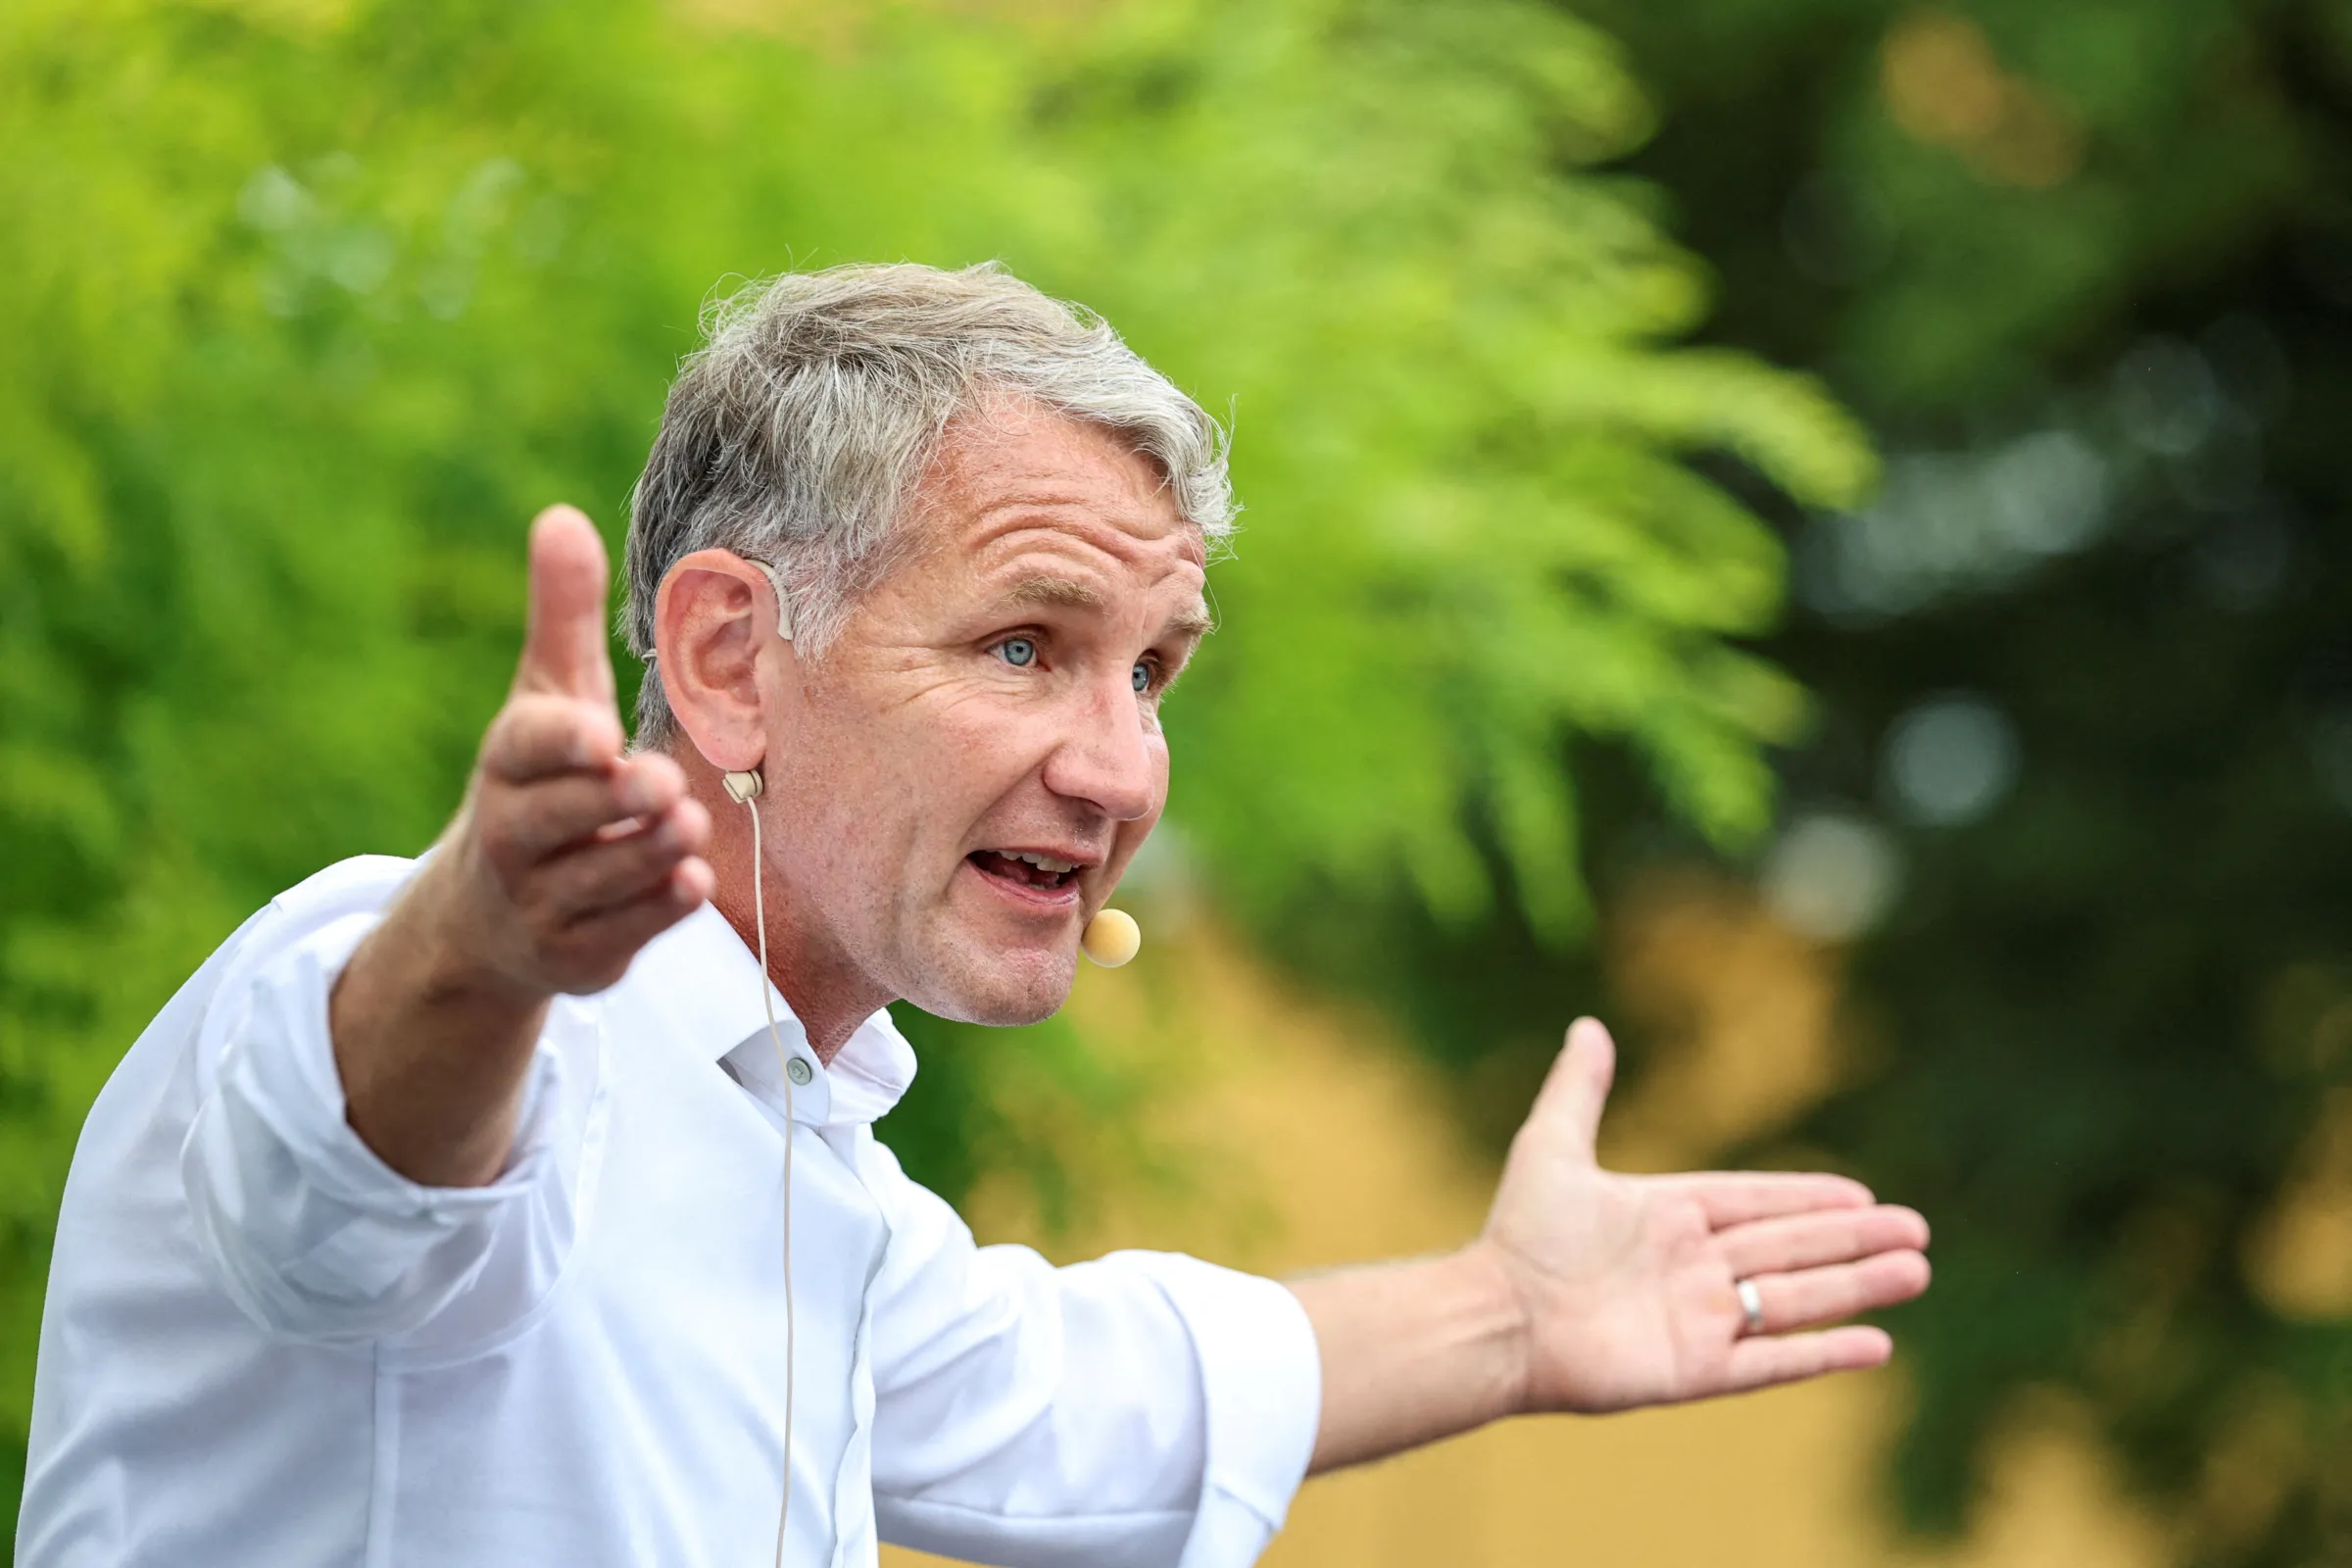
1487 1275
450 947
1415 1351
431 1043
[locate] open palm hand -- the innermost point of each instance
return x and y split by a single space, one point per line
1630 1284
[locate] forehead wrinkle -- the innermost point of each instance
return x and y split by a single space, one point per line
1124 536
1006 462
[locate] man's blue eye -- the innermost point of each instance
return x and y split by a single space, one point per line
1140 677
1018 652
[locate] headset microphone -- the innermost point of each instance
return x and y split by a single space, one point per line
743 788
1111 938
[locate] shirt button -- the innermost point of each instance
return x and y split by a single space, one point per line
798 1070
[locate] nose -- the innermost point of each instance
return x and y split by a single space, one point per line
1107 757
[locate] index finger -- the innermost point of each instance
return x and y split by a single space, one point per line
565 650
1735 1198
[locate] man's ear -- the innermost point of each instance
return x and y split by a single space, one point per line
715 620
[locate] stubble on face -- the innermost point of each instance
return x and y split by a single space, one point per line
978 716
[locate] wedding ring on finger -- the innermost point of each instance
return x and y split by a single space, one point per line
1751 1307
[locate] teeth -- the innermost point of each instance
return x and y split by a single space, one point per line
1044 863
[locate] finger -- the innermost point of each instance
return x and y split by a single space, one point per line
1737 1198
1574 1092
539 819
1761 1363
564 648
536 737
1810 1241
1812 1297
600 948
585 883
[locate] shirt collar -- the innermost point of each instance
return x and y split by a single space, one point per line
707 983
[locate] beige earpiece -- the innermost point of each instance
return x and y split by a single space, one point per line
1111 938
775 580
742 787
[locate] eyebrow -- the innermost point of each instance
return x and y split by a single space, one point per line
1062 592
1193 621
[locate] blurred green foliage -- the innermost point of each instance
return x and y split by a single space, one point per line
309 306
2087 268
2083 740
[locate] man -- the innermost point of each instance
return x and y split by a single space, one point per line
473 1211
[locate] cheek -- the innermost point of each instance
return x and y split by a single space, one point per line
844 814
925 777
977 751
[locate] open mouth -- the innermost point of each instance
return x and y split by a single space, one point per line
1040 874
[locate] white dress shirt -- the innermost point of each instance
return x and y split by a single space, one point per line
264 1349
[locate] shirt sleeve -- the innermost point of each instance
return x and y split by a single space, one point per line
312 1234
1144 1410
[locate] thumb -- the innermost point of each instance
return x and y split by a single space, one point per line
1569 1104
564 650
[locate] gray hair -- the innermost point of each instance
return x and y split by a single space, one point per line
798 432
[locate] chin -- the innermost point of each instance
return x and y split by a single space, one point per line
1002 990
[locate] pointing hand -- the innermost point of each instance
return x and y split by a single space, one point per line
565 858
569 855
